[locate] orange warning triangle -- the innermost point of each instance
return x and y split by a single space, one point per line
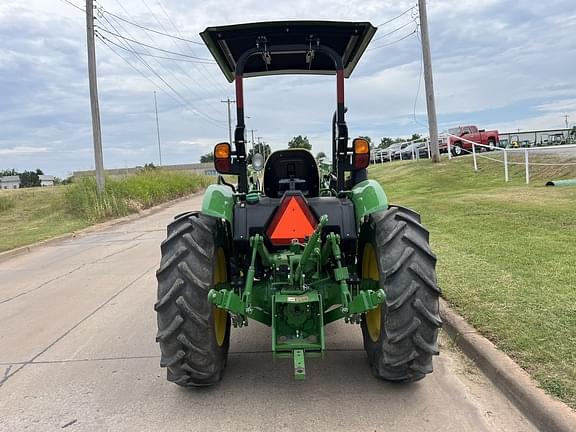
294 223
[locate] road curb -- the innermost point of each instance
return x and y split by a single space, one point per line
547 413
23 250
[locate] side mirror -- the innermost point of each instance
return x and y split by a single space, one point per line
257 162
222 158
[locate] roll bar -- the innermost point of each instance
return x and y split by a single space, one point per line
340 129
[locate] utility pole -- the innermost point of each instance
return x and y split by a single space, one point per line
259 146
228 101
157 128
96 131
566 120
429 82
252 132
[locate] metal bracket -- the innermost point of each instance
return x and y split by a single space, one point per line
266 57
247 295
231 302
227 300
366 300
299 365
305 263
340 272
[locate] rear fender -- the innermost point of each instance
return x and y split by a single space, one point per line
218 202
368 197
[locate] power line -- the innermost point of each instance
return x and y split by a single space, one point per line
152 55
419 85
393 42
395 30
182 102
137 70
169 71
396 17
156 48
147 65
104 11
178 99
171 96
74 5
202 69
182 70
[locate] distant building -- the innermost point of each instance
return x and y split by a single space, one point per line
206 168
9 182
46 180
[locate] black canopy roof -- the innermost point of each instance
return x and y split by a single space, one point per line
228 43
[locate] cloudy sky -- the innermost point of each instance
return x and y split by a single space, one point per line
498 64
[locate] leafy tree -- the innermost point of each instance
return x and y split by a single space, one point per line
300 142
208 157
385 142
8 172
320 156
30 178
415 137
149 166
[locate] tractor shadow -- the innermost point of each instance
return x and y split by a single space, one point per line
343 371
339 391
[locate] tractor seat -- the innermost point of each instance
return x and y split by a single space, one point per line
293 169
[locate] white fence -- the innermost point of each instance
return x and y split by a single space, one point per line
482 151
479 151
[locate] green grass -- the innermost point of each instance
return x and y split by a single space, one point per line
506 255
125 195
35 214
6 203
31 215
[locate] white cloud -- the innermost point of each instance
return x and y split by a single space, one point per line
558 105
23 150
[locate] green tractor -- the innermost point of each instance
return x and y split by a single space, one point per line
302 251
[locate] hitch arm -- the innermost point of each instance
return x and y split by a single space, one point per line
367 300
340 273
247 295
309 249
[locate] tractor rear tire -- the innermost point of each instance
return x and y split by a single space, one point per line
400 337
194 335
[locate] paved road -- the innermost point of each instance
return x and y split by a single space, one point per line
77 352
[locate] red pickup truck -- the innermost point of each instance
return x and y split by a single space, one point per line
470 133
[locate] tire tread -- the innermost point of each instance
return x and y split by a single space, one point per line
185 318
410 316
